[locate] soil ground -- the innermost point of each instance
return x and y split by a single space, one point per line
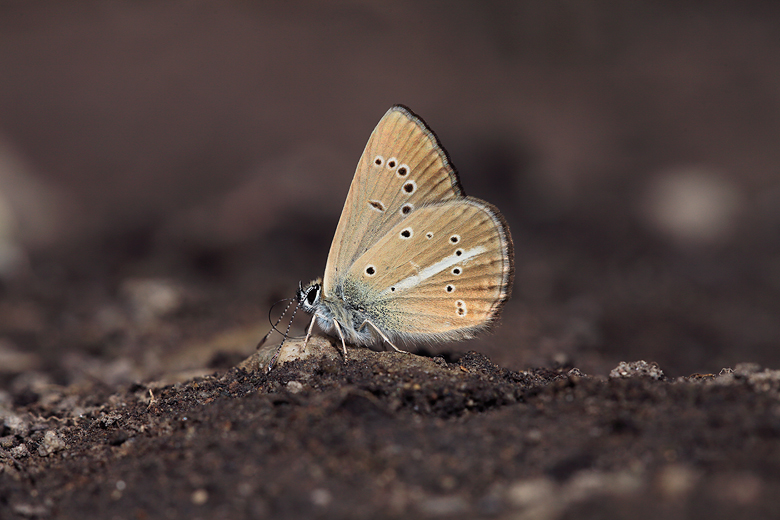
388 435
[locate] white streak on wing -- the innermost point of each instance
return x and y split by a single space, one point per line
441 265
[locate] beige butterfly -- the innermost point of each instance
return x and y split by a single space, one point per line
413 258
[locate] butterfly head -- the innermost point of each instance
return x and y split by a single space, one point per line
309 296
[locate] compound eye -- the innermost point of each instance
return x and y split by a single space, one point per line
311 296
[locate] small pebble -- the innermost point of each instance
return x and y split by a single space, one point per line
637 369
20 452
51 443
17 425
294 387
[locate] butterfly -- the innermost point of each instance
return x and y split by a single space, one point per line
413 258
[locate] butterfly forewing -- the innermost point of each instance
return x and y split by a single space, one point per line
402 168
442 273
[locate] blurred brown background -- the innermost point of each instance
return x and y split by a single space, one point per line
169 169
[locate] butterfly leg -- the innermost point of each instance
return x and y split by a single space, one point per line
308 332
341 335
383 336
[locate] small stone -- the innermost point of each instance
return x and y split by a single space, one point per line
51 443
17 425
637 369
109 419
294 387
318 347
19 452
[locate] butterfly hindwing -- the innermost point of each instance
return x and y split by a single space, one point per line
444 272
402 168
